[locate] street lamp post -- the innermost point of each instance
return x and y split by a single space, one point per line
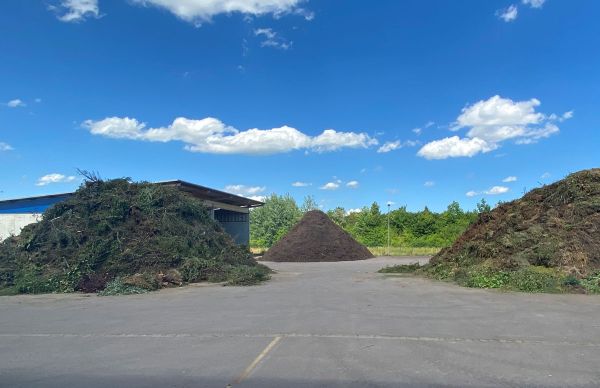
388 220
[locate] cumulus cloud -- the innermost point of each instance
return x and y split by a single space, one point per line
301 184
394 145
331 186
210 135
350 211
453 147
508 14
495 190
509 179
491 122
201 11
352 184
272 39
534 3
73 11
16 103
5 147
54 178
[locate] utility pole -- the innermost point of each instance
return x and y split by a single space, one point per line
388 220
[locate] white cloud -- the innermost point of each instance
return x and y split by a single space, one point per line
76 10
567 115
5 147
243 190
350 211
534 3
453 147
201 11
301 184
352 184
331 186
491 122
54 178
429 124
429 184
417 131
16 103
509 14
509 179
210 135
545 175
394 145
272 39
496 190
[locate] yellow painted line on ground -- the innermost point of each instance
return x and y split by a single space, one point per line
258 359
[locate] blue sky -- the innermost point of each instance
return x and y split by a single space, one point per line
415 102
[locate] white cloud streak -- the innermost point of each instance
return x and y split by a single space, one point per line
54 178
394 145
202 11
509 179
73 11
272 39
5 147
495 190
210 135
301 184
352 184
509 14
534 3
331 186
429 184
16 103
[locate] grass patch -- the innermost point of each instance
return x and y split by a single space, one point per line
404 251
528 278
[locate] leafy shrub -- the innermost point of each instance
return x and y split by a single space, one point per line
592 283
247 276
401 268
117 287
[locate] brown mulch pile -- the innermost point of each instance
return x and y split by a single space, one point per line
316 238
555 226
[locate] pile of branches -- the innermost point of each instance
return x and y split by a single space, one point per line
118 229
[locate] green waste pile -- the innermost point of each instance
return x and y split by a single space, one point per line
547 241
124 237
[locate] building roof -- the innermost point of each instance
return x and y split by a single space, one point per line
212 194
201 192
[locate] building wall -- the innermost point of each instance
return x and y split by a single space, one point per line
236 224
11 224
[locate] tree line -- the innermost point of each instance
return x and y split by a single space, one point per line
369 226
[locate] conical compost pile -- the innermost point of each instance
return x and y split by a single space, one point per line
316 238
552 228
148 235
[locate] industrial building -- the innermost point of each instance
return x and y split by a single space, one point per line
231 211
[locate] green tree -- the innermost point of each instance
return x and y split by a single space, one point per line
483 206
309 204
270 222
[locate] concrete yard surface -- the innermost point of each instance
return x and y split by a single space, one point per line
314 324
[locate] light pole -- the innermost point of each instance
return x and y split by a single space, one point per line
388 220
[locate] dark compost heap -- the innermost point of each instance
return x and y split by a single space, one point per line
316 238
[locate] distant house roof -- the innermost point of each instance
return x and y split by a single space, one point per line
40 203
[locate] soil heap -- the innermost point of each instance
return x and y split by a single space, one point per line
556 226
147 234
316 238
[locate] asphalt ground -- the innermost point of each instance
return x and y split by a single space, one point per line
314 324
